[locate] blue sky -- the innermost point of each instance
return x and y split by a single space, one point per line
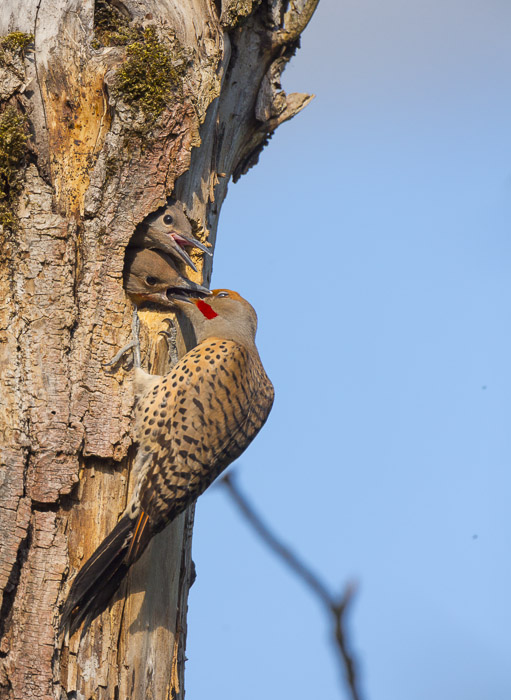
373 241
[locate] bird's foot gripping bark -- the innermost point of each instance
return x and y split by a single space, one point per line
170 335
134 344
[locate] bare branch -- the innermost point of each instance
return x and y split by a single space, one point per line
274 544
338 611
336 608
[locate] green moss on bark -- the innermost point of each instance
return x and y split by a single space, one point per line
112 27
235 12
13 138
150 74
13 45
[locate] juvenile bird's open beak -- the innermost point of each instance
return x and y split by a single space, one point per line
181 240
166 297
178 297
190 240
189 296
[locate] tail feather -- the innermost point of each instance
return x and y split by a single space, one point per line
100 576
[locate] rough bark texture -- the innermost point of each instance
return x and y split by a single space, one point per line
102 143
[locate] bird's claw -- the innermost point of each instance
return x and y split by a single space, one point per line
170 335
171 331
119 355
133 344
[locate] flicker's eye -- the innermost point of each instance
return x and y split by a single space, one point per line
222 294
151 280
168 219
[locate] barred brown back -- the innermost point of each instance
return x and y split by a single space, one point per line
195 422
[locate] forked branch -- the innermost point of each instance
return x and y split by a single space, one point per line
336 607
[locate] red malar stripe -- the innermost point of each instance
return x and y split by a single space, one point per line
206 309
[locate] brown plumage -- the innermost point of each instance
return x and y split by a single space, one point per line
190 425
168 230
150 275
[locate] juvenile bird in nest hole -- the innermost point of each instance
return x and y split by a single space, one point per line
189 425
170 231
150 275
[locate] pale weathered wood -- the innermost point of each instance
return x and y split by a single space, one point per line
96 164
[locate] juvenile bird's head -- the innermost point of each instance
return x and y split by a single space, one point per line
168 229
150 275
224 314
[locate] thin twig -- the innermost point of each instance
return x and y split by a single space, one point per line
336 608
338 611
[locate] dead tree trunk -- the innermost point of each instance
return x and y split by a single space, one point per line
106 109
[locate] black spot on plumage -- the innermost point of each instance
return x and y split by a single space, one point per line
182 475
201 420
199 404
220 404
226 389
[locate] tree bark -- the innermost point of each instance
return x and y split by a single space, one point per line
110 108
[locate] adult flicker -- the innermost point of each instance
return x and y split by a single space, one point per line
168 229
150 275
189 425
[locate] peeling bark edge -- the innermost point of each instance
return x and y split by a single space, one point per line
11 587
